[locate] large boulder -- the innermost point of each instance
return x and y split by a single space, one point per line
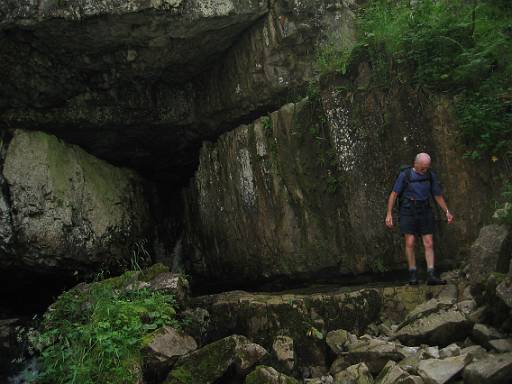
493 369
438 328
440 371
69 210
163 348
209 363
491 252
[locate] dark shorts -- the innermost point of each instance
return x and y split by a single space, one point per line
416 219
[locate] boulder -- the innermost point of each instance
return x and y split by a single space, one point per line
337 340
482 334
71 211
449 351
501 345
339 365
172 283
474 351
163 348
355 374
493 369
320 380
490 252
392 373
209 363
504 291
283 351
375 353
268 375
437 371
438 328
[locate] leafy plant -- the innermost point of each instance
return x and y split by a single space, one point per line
94 334
457 47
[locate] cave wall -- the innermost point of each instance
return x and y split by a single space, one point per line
142 85
65 211
302 194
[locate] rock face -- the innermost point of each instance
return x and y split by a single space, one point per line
141 77
285 195
491 252
67 209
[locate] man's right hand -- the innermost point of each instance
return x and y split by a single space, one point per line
389 220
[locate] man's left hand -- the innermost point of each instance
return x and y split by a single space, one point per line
449 217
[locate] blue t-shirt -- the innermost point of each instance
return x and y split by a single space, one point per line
417 190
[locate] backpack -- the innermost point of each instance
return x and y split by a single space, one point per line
408 170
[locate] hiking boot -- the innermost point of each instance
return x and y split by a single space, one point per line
432 279
413 279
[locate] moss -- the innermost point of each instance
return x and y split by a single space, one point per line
206 365
151 272
258 377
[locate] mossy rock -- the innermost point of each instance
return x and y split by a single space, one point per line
211 362
268 375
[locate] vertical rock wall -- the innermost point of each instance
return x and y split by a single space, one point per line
302 193
62 208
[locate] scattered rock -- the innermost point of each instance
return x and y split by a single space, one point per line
172 283
339 365
501 345
438 328
448 296
393 373
449 351
210 362
374 352
436 371
337 340
320 380
474 351
494 369
504 291
283 351
466 306
268 375
482 334
164 348
355 374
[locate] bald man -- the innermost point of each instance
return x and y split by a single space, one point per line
416 217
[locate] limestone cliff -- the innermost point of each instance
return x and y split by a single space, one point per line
142 83
303 193
65 210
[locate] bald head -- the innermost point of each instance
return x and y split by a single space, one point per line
422 162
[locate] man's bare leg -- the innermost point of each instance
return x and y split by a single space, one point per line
428 243
411 258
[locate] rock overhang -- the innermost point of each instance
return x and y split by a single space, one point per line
143 83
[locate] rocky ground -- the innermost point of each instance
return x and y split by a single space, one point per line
380 334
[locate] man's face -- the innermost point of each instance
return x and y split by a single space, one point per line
421 166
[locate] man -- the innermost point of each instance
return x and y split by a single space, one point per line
416 217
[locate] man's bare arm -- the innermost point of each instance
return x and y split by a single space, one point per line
391 203
442 203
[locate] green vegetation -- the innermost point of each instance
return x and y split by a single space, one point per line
504 209
456 47
93 334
